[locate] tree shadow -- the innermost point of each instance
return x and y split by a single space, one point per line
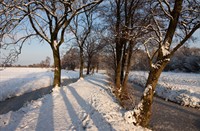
68 81
42 120
99 121
77 123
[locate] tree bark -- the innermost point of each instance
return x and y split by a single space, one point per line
128 66
57 67
118 72
124 60
81 63
145 106
88 67
118 48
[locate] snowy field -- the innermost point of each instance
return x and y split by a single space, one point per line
182 88
17 81
85 105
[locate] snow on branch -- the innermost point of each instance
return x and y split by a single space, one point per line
163 9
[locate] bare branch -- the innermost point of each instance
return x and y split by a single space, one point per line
163 9
185 38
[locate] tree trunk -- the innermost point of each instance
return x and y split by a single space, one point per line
124 60
97 67
128 66
118 49
88 66
142 112
81 63
57 67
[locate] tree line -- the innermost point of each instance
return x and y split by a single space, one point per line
115 32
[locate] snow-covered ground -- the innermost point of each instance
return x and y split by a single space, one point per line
17 81
85 105
182 88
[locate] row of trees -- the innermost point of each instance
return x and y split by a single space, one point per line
157 27
43 64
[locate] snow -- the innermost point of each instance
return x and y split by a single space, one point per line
182 88
17 81
87 104
165 52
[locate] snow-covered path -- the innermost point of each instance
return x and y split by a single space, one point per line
84 105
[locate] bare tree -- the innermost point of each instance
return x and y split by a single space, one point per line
45 63
174 24
71 59
81 27
48 20
93 47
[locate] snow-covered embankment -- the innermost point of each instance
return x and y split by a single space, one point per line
182 88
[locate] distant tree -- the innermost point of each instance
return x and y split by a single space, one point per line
70 60
45 63
93 47
139 60
81 27
186 60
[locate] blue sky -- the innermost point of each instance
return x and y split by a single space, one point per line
35 53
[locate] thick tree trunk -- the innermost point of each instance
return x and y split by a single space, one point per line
57 67
142 112
118 49
81 63
118 82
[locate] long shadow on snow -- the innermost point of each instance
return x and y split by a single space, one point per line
72 113
42 122
96 117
